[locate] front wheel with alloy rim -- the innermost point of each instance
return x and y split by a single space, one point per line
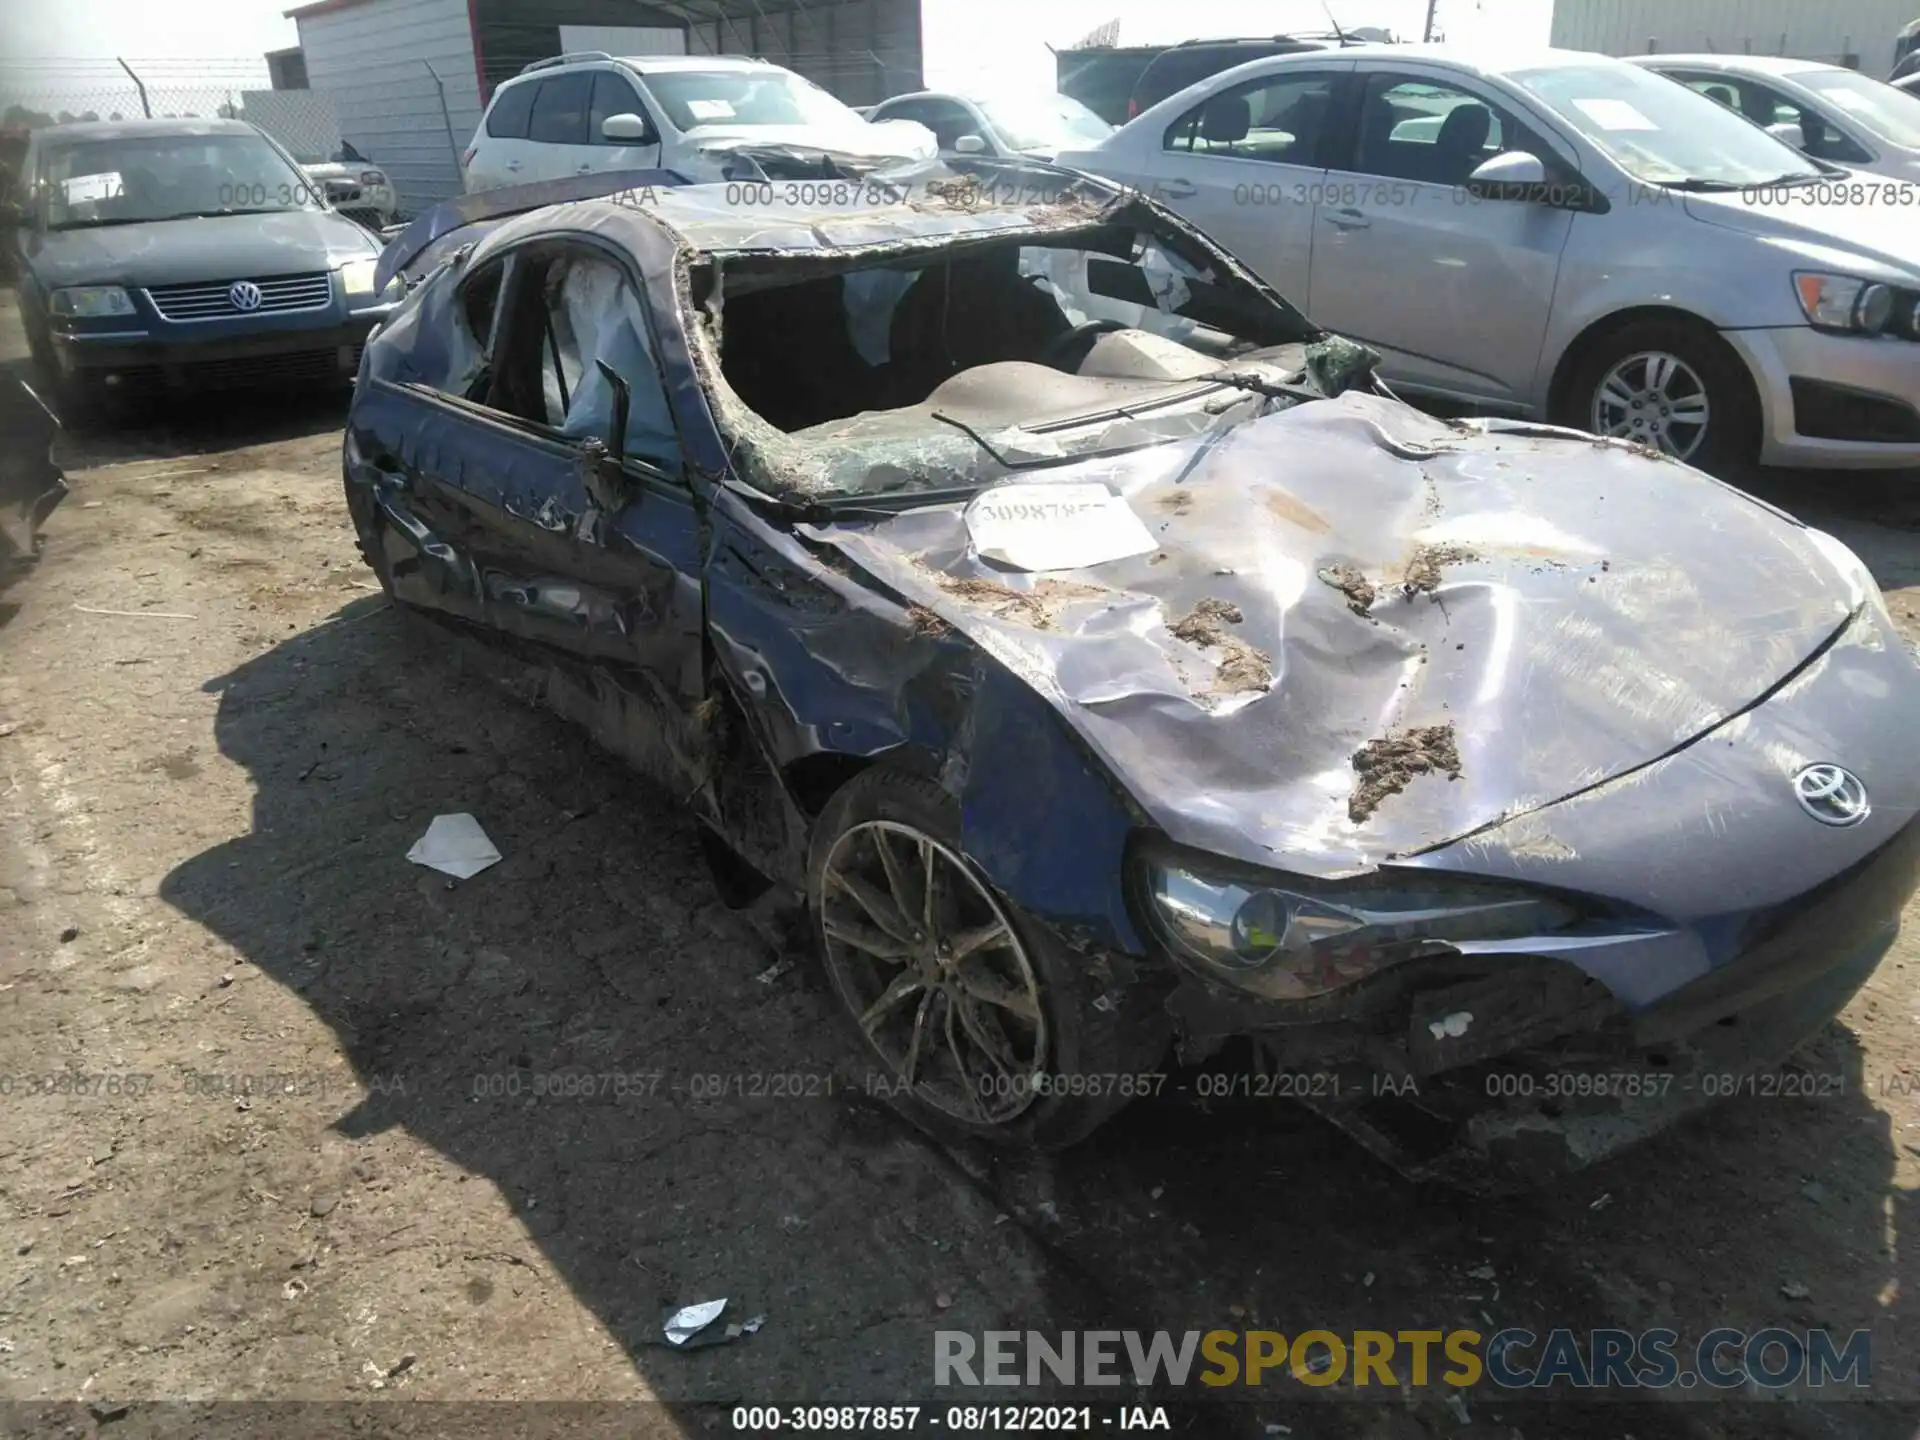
1672 385
984 1024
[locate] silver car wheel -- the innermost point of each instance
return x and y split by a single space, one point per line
1655 398
934 972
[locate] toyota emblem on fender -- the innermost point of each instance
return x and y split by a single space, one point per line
244 294
1831 795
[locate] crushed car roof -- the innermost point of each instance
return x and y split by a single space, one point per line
927 201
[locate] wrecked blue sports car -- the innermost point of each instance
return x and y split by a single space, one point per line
1111 660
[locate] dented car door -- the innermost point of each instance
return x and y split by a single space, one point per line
540 494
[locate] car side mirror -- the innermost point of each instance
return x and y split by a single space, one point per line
970 145
1524 178
628 129
1504 171
1789 132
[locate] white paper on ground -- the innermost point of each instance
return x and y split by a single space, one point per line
1065 526
455 845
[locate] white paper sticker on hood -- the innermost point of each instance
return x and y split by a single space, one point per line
1068 526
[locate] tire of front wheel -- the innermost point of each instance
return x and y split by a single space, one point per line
1732 441
1101 1029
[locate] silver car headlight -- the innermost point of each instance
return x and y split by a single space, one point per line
1289 937
1843 302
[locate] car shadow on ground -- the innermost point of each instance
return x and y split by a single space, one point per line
190 426
598 948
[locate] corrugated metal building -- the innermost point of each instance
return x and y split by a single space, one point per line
410 78
1856 32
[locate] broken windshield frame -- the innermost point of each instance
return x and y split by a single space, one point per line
1129 273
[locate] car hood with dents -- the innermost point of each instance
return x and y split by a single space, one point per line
201 249
1351 632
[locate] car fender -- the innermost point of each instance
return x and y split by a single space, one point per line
1732 285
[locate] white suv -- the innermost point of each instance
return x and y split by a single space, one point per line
575 114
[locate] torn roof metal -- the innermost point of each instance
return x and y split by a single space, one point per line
925 201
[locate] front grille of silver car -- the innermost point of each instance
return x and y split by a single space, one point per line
279 295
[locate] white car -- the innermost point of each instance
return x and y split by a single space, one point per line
354 186
578 113
1035 125
1559 236
1826 111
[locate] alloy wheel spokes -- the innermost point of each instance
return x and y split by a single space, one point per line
938 977
1654 398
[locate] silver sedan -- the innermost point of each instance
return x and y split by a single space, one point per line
1559 236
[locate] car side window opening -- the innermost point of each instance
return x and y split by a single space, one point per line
1766 106
470 344
592 314
1277 118
560 109
611 96
1423 130
511 110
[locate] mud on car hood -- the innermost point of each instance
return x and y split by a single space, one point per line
1361 632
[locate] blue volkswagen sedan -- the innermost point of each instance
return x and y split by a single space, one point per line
165 255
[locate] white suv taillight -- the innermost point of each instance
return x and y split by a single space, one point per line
467 159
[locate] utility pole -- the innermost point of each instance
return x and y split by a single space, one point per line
139 85
1426 32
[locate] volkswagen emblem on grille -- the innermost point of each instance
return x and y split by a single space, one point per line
244 294
1831 795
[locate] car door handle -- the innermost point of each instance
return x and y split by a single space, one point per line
584 170
1176 189
1346 219
513 164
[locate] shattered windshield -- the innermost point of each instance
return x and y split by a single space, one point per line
949 371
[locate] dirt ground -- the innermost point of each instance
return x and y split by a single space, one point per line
337 1185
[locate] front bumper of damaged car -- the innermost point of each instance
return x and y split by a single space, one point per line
1513 1065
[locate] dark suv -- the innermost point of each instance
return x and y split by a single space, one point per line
1172 70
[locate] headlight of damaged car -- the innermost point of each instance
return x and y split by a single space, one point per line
1288 937
86 302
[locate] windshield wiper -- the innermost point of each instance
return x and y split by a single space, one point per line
98 222
1792 177
216 214
1698 186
